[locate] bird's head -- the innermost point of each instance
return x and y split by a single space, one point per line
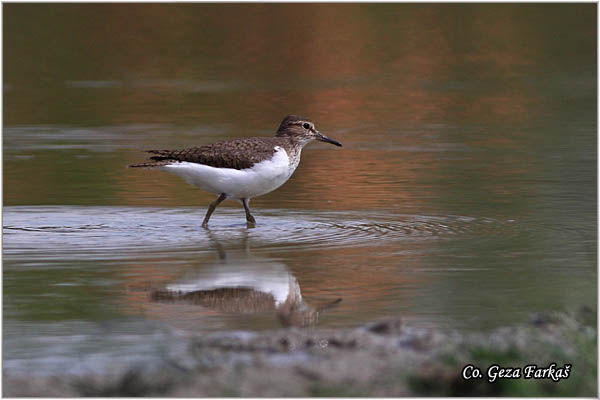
302 129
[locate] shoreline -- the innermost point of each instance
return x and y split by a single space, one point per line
381 359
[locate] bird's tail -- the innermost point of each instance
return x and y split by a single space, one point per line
157 161
151 164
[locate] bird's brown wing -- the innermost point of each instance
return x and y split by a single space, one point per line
236 154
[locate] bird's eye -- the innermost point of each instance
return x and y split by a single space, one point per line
306 125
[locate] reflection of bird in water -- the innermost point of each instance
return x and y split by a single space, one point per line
242 283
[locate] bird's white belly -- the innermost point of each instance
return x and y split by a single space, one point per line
262 178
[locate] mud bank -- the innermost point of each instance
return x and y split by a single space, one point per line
385 358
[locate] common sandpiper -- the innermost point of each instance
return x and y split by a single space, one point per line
240 169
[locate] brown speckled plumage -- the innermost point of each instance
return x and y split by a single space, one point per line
238 153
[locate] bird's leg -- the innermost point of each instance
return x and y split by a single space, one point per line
249 218
211 209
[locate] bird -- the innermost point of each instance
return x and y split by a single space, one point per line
241 169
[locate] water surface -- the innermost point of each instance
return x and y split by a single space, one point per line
464 196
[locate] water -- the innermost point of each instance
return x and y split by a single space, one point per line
464 196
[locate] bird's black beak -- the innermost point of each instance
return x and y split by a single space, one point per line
324 138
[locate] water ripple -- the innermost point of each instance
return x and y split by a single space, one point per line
124 232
